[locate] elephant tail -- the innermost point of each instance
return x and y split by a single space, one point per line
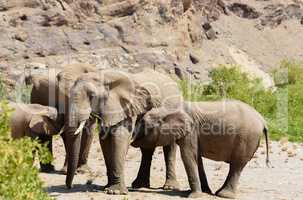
265 131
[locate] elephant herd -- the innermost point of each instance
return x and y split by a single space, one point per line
143 109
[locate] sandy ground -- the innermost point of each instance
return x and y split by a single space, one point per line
283 182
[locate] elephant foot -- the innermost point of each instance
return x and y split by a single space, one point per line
171 185
195 195
226 193
83 169
140 183
116 189
47 168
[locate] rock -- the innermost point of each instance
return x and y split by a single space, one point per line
291 153
120 9
275 14
21 36
194 59
244 11
284 148
179 72
209 32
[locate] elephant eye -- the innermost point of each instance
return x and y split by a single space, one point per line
91 95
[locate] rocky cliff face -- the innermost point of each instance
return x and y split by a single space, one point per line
181 37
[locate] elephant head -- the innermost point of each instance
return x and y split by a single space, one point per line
66 79
43 120
43 124
109 95
164 127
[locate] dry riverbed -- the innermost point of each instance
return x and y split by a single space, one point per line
282 182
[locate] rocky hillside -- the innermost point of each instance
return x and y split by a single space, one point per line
181 37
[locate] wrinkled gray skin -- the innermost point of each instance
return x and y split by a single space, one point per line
34 121
120 100
53 90
228 131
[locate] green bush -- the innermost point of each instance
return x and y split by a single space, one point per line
283 108
18 176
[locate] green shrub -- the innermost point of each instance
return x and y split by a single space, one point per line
18 176
283 109
231 83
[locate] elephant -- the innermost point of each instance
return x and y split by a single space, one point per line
226 130
34 121
53 90
119 100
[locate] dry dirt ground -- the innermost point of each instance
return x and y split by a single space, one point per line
283 182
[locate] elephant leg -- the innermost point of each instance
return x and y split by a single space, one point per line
190 159
106 150
229 188
73 150
46 139
86 142
202 175
120 139
143 176
171 182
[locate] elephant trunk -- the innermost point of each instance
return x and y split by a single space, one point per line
73 150
79 108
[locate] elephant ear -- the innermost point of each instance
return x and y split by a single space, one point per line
37 124
42 125
177 124
163 127
120 103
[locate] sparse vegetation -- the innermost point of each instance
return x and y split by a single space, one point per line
282 108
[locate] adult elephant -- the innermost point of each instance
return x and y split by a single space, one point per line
53 90
119 100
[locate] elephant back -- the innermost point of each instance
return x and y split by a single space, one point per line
163 90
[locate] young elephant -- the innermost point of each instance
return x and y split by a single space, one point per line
228 131
34 120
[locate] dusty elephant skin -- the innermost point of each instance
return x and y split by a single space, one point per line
228 131
120 99
34 121
54 91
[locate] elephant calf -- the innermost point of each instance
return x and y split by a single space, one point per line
34 120
228 131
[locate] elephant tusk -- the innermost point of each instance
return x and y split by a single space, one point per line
62 130
79 130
